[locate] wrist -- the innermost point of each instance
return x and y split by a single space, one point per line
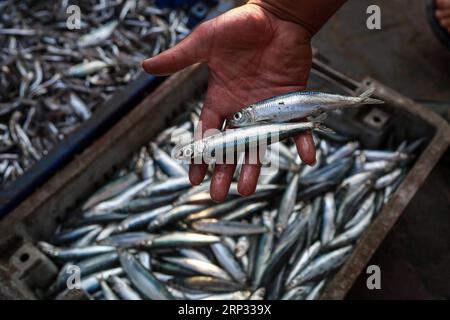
311 15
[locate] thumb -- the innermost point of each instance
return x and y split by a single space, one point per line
193 49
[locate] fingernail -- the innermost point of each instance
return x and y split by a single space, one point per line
145 62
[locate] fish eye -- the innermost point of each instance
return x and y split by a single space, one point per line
187 152
238 116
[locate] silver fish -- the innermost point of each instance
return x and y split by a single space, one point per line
321 265
98 35
297 105
200 267
124 290
143 280
234 140
328 221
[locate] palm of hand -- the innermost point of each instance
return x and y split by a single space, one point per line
251 55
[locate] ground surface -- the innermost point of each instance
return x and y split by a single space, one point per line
405 55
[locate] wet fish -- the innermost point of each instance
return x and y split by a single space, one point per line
143 280
297 105
321 265
284 242
220 145
227 228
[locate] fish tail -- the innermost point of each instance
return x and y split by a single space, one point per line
365 97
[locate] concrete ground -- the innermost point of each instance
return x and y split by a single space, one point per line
405 55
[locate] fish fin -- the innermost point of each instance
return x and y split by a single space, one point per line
318 123
368 93
323 128
366 97
319 118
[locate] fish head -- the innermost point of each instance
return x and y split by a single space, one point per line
189 151
241 118
184 152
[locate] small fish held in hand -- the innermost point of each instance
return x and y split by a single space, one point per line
297 105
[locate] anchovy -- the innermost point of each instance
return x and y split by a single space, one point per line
118 200
287 203
98 35
140 205
245 211
80 108
227 260
84 69
233 140
200 267
71 235
91 283
67 254
314 294
143 280
297 293
387 179
321 265
86 267
166 186
108 293
190 253
334 172
352 233
366 207
328 221
350 204
238 295
179 239
173 215
377 155
206 284
227 228
297 105
124 290
309 254
125 240
167 163
142 219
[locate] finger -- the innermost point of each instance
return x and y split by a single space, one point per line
191 50
248 179
208 120
306 148
221 181
197 173
442 4
441 14
445 22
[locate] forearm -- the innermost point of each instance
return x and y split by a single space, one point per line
311 14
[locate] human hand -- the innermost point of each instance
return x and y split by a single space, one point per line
252 55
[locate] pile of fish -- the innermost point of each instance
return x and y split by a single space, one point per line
149 234
53 78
